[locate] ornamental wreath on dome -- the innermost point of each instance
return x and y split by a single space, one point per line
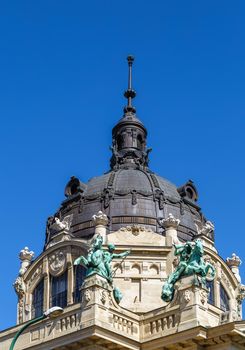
191 263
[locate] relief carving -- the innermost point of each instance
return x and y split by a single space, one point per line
57 262
187 295
203 296
103 296
135 229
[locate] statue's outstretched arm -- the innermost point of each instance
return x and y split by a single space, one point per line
121 255
81 261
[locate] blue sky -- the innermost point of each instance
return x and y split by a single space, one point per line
62 76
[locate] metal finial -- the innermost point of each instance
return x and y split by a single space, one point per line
130 93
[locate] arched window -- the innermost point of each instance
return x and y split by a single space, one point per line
224 299
210 286
37 300
79 273
119 142
59 290
139 142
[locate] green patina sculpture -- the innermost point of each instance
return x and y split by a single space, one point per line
99 261
191 262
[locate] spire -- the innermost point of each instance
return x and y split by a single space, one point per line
129 134
130 93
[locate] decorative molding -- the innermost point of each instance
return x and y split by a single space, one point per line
35 274
225 279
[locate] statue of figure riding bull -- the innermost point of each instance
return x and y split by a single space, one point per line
191 262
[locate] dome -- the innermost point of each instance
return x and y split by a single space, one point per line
131 197
130 193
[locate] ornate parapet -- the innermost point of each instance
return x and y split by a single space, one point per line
100 221
234 262
170 225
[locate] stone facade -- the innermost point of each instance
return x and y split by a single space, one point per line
141 320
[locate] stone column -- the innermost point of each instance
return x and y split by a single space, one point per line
46 287
171 224
100 222
70 278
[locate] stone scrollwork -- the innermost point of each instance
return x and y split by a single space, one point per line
57 262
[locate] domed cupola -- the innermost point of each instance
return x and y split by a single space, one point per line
129 134
130 194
